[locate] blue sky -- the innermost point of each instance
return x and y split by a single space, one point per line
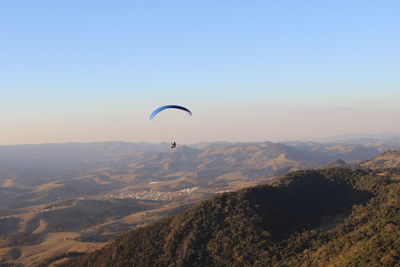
265 70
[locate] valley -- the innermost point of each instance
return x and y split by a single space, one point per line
59 200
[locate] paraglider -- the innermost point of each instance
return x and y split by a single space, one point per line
158 110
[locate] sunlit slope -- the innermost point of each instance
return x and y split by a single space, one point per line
83 213
54 231
54 246
388 159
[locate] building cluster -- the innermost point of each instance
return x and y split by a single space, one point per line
154 195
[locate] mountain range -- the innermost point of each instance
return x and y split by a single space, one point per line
74 198
326 217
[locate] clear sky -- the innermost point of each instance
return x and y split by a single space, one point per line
91 70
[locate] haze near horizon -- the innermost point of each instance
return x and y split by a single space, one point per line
94 70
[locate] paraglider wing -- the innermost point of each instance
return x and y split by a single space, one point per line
158 110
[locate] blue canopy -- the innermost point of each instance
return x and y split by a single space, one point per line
158 110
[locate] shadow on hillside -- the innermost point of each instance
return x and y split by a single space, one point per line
308 203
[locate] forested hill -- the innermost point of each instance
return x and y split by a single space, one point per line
388 159
334 217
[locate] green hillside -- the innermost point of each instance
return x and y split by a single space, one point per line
388 159
330 217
